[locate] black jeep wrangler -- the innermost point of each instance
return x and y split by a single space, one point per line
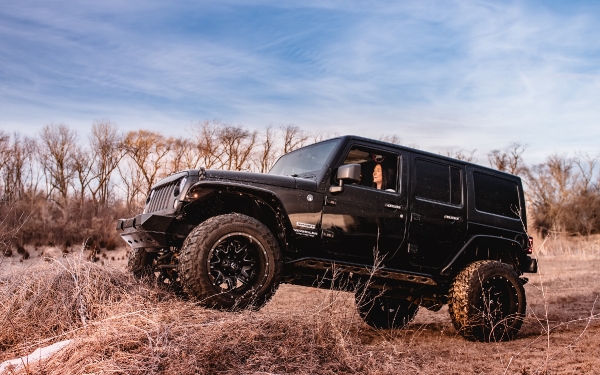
403 228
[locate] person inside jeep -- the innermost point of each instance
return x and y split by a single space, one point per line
377 176
383 177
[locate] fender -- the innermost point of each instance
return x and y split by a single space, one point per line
269 198
446 270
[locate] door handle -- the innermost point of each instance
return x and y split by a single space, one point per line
415 217
453 218
394 206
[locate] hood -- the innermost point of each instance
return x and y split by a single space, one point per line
262 179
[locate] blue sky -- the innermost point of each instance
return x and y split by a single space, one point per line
440 74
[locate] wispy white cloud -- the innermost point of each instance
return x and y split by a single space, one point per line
442 75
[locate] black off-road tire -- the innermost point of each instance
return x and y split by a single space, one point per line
384 312
140 263
487 301
230 262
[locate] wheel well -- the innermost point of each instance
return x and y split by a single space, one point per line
502 250
265 209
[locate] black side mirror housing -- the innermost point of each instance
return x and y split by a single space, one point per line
348 173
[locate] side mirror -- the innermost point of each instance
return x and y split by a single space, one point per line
348 173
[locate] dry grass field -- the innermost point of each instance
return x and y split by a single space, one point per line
122 326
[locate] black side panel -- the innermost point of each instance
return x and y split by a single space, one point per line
437 210
495 199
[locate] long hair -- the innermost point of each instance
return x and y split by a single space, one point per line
387 177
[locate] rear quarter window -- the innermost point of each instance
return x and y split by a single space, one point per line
496 195
438 182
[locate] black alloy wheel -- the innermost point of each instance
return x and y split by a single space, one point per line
234 264
230 262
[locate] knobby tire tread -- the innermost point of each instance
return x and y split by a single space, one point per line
193 268
460 308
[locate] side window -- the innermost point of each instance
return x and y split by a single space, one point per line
496 195
379 169
438 182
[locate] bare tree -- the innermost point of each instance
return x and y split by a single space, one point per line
508 159
4 146
81 164
184 155
238 145
468 156
207 140
4 155
107 151
265 155
131 183
32 175
587 165
148 151
551 191
58 143
293 137
15 167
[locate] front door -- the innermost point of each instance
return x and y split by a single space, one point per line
367 220
437 211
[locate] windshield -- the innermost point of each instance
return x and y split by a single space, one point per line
307 160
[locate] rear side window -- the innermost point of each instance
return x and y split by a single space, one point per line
496 195
438 182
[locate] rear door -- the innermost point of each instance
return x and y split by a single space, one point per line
437 210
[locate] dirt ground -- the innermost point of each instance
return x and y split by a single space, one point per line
561 334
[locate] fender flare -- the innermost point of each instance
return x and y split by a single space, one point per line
263 194
446 270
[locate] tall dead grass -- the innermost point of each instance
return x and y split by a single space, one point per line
577 247
48 302
121 325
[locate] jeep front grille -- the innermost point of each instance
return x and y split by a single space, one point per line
160 197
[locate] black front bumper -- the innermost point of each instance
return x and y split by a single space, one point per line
146 231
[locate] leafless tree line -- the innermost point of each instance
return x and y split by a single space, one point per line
113 166
62 180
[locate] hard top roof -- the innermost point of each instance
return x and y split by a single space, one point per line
426 153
